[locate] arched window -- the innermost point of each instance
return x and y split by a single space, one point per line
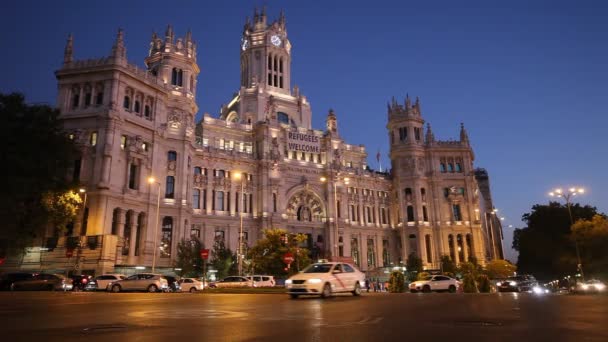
425 214
423 194
442 167
170 187
283 118
99 98
408 194
196 199
137 107
460 245
126 103
147 111
198 170
180 76
450 167
174 76
115 220
458 167
171 156
219 200
166 237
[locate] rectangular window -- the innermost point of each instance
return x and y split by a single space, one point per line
338 209
204 198
133 173
93 140
456 211
195 233
352 213
99 99
219 200
251 203
417 133
219 235
76 173
196 199
170 187
425 215
274 203
87 99
237 199
228 201
369 215
123 142
427 240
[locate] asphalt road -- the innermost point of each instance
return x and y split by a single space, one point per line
274 317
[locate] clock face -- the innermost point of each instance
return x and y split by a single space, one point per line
245 44
275 40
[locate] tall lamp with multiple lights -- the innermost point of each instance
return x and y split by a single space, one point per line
151 181
336 235
84 209
567 195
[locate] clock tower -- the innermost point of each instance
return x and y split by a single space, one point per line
266 54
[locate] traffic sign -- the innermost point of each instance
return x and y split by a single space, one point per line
204 254
288 258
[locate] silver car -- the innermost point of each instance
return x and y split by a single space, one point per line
44 282
149 282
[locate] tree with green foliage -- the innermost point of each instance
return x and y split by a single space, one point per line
223 260
413 265
592 238
499 269
448 266
62 209
545 246
189 258
396 283
37 157
469 283
266 255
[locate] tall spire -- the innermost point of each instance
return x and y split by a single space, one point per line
69 50
430 137
119 50
169 35
464 137
408 103
331 122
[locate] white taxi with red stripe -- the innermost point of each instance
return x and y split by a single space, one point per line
326 278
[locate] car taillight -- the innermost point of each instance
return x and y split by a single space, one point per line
84 280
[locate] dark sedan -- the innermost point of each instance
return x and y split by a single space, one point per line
521 283
8 279
44 282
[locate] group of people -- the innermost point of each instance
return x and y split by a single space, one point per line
376 285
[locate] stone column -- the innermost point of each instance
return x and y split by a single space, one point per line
209 197
133 237
380 258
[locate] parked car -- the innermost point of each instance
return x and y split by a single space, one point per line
262 280
435 283
101 282
80 282
325 279
44 282
8 279
520 283
233 281
173 283
590 286
141 282
190 285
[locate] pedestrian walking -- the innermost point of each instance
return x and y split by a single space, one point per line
367 284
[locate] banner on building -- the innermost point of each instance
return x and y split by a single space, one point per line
303 142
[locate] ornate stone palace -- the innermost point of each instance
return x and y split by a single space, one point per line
260 159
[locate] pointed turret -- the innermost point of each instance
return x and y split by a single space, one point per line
68 51
119 52
464 136
429 137
331 122
169 35
417 106
408 103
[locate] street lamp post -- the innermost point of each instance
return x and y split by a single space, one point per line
240 176
151 181
336 234
567 195
84 208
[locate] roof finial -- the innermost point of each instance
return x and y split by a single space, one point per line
430 137
408 103
118 50
464 136
68 51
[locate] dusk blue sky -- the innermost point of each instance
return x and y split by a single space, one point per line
528 79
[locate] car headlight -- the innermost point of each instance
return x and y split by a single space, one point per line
288 281
537 290
314 281
513 283
498 284
585 286
600 287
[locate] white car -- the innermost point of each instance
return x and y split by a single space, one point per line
141 282
435 283
190 285
325 279
101 282
233 281
262 280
